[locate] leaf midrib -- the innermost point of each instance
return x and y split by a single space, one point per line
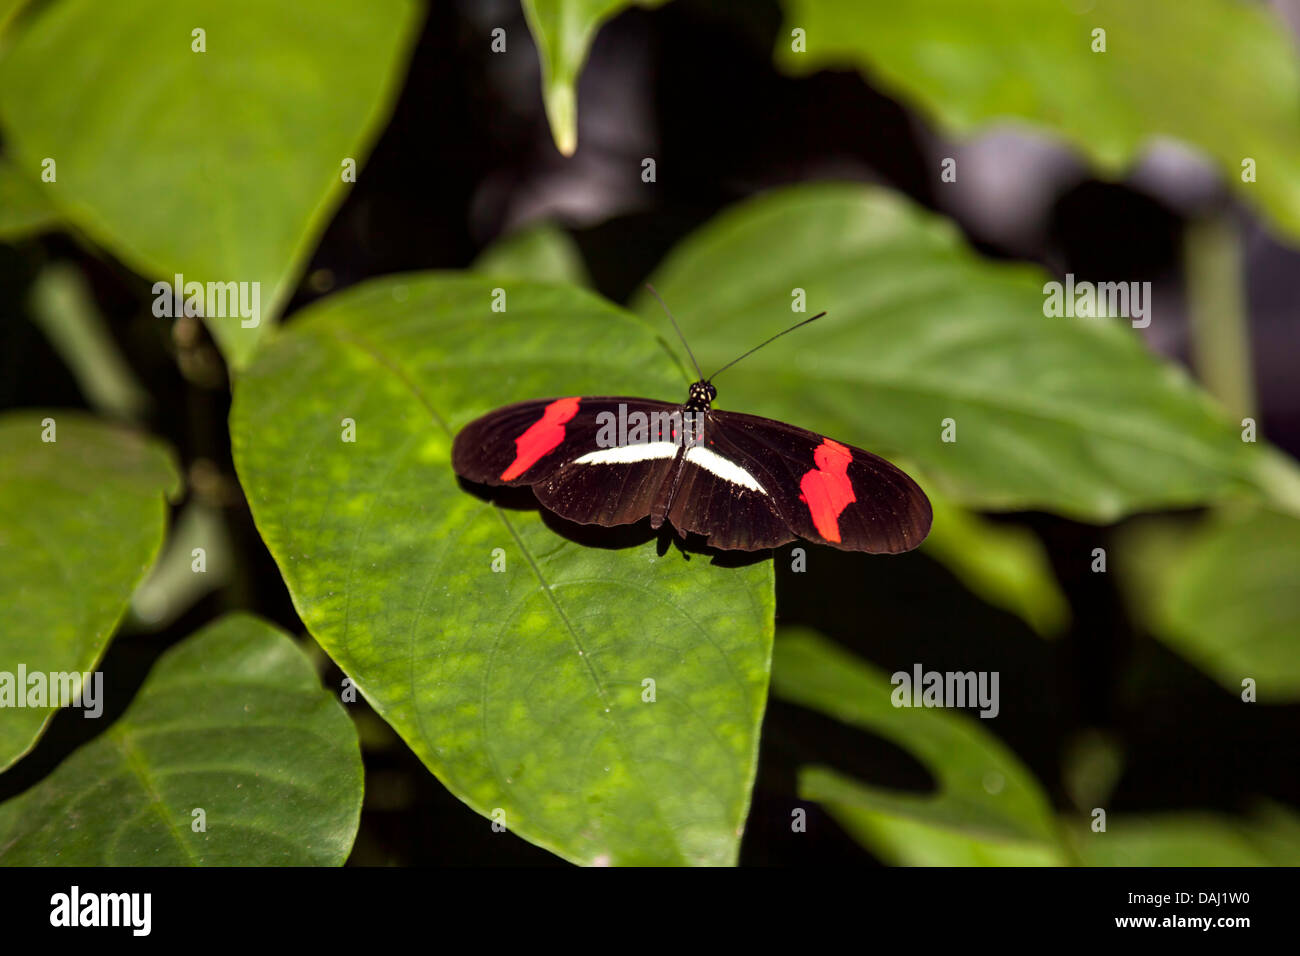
139 766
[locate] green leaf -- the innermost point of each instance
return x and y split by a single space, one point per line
24 209
521 689
1091 765
9 10
63 308
1224 596
175 585
987 807
902 841
1269 838
563 31
1064 414
221 166
233 722
968 65
1005 565
81 522
544 252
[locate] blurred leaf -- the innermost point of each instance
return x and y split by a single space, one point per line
1226 596
1090 768
231 721
1279 478
1189 839
987 809
1218 320
174 586
1064 414
901 841
563 31
1004 564
24 209
8 12
1277 831
63 307
544 252
968 65
521 690
221 166
81 521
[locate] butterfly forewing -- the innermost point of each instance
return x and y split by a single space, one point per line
526 442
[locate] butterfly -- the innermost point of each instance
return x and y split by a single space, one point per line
742 482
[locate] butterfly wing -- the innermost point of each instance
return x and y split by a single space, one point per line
723 494
823 490
557 447
525 442
694 487
608 492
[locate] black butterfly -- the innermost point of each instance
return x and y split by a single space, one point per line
743 482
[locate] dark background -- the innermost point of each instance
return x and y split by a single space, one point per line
468 156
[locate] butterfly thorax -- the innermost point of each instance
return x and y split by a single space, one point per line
700 397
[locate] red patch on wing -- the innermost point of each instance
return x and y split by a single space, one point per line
826 489
541 438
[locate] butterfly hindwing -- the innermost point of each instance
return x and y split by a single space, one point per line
723 499
608 493
824 490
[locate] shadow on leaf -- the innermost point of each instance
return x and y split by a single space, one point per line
520 498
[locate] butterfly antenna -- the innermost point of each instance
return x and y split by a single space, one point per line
768 342
679 331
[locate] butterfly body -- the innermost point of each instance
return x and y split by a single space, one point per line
743 482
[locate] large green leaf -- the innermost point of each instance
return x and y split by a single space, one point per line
987 807
1225 595
81 522
232 722
521 689
968 64
221 166
1065 414
563 31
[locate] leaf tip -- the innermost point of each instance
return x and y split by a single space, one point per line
562 111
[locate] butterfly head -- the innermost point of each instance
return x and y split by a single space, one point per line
700 396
